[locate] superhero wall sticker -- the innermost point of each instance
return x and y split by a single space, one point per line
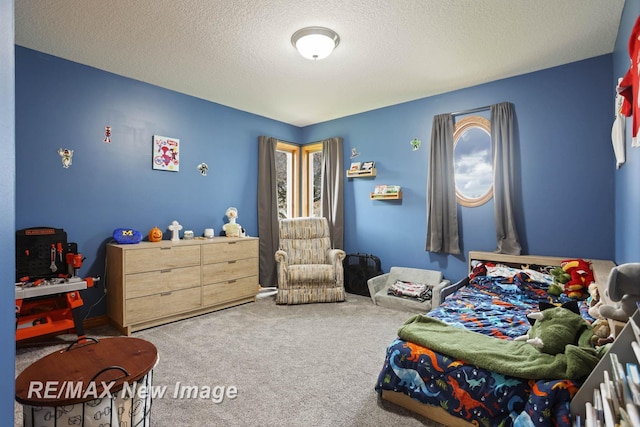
166 153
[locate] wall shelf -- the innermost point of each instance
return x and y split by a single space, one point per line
386 196
361 173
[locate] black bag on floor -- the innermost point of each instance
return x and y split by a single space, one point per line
358 268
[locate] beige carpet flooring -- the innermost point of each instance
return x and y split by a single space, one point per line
303 365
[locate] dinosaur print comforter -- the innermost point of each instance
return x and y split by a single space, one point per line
496 305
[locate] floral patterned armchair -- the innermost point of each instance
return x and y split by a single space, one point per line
309 269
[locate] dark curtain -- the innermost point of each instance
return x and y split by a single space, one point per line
442 208
504 178
267 210
332 189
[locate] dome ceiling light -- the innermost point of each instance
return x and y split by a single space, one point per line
315 42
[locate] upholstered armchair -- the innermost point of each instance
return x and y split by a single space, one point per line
309 269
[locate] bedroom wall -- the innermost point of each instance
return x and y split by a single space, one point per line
7 209
62 104
627 178
566 171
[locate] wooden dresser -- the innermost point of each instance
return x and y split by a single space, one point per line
149 284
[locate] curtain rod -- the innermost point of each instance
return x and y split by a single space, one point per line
471 110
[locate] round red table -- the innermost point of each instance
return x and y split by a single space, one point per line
89 383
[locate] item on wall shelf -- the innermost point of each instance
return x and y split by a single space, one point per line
355 166
188 235
415 144
232 229
386 192
107 134
175 228
368 165
203 168
386 189
155 234
368 170
66 155
166 153
125 236
354 152
209 233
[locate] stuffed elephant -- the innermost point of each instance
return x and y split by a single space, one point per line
623 288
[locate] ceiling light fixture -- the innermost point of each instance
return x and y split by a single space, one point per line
315 42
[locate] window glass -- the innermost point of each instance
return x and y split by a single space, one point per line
299 168
473 161
312 179
287 183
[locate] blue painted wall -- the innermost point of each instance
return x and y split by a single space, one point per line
62 104
566 177
566 171
627 178
7 210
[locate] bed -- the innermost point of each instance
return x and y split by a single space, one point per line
493 302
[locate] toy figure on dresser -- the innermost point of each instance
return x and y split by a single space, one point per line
232 229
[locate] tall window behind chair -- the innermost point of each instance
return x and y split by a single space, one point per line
293 181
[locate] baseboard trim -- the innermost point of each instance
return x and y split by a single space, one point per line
95 322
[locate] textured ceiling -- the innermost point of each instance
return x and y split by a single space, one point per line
238 52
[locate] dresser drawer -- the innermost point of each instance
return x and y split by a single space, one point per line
224 271
228 291
151 259
161 305
155 282
227 251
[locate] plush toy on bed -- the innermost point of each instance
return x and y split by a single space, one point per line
594 302
601 333
572 278
623 288
558 329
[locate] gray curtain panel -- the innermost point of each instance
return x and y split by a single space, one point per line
333 189
267 210
504 178
442 208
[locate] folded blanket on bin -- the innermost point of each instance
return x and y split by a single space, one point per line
418 291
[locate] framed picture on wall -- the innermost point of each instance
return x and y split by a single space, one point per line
355 166
166 153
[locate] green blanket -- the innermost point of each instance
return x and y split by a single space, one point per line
515 358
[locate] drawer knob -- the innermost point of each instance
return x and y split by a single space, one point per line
167 270
232 261
166 248
164 294
232 281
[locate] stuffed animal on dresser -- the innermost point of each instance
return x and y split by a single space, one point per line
623 288
232 229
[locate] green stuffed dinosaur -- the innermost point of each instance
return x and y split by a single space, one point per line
561 329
